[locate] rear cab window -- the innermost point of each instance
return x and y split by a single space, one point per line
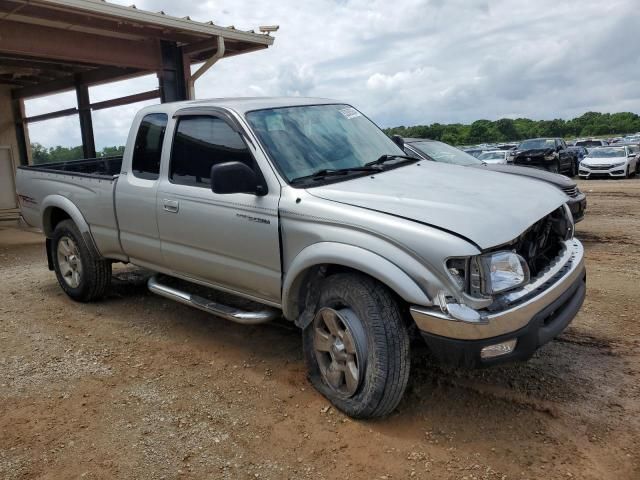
147 150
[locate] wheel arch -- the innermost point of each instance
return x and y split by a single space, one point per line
319 260
56 208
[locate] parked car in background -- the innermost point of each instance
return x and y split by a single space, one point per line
494 156
436 151
506 146
579 152
306 210
474 152
551 154
611 162
591 142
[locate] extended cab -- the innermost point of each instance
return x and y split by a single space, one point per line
307 210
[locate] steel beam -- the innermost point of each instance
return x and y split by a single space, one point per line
51 115
116 102
171 75
17 107
86 122
91 77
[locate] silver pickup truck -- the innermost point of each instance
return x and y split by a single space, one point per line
306 210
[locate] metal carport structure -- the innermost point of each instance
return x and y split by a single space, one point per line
51 46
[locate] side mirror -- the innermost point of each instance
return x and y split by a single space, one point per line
397 139
235 177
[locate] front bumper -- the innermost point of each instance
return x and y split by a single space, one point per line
532 161
605 171
532 318
578 206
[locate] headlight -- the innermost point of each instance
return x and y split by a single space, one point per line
618 164
503 271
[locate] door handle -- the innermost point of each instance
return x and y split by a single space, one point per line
171 206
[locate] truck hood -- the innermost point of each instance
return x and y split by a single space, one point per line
487 208
603 161
556 179
534 152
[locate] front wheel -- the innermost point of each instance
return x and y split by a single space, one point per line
554 167
357 346
81 272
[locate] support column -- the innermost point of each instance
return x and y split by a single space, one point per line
86 123
22 136
171 76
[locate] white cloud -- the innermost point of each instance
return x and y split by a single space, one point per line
418 61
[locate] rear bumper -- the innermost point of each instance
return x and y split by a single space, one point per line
532 320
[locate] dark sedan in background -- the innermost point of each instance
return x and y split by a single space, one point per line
441 152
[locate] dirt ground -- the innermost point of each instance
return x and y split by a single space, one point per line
140 387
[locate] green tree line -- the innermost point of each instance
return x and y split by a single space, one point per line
507 129
41 154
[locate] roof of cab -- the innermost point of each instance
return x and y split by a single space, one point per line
241 104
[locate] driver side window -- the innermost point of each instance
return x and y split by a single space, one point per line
200 142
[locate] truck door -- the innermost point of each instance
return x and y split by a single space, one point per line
136 192
230 240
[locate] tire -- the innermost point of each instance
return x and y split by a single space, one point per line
574 170
554 167
82 273
379 344
628 174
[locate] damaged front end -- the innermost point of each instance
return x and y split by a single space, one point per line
535 158
531 288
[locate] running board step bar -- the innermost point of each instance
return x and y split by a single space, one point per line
244 317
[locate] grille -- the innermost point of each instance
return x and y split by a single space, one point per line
599 167
571 191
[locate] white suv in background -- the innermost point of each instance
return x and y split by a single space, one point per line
610 161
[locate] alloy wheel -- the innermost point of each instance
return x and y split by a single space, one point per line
338 342
69 261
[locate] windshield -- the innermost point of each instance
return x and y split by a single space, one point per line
607 152
537 143
305 139
589 143
492 156
441 152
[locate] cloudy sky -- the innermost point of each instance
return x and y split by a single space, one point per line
407 62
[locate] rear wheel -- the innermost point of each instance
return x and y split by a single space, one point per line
80 270
357 346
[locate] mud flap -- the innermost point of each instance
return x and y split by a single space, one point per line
49 246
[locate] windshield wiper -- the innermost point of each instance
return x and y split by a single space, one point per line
391 158
332 172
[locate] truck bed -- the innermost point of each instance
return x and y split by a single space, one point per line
84 188
91 167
